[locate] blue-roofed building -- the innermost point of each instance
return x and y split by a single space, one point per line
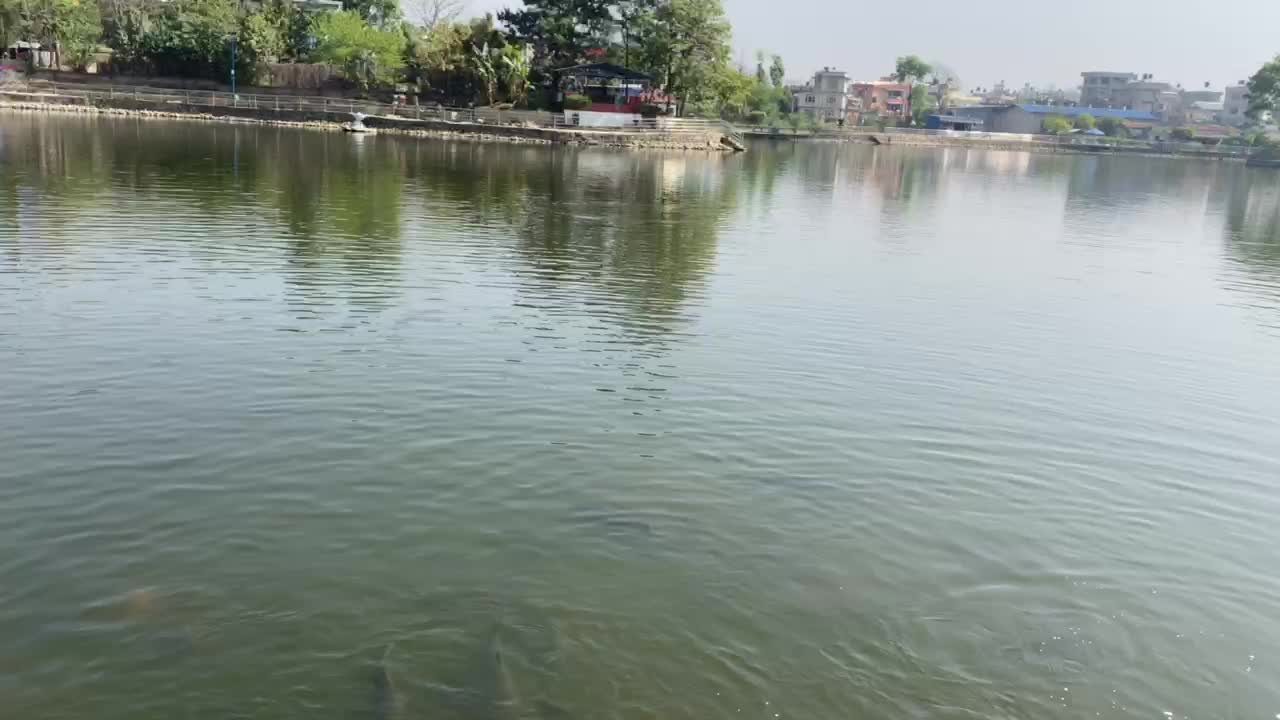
1072 111
953 122
1027 119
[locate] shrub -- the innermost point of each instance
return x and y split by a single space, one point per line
1112 126
1183 134
756 117
577 102
1056 125
652 110
366 55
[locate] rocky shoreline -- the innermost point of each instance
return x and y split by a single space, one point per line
332 122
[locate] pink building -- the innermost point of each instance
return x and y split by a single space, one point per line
883 98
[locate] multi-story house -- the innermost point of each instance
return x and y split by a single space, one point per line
886 98
1099 85
825 97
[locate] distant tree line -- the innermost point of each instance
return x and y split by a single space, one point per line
683 44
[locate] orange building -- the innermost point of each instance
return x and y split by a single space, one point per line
882 98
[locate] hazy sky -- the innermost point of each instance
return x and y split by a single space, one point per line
1186 41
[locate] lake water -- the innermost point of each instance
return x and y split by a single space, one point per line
291 422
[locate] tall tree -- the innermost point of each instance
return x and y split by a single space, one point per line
73 27
439 53
560 31
1264 88
366 55
514 72
189 38
910 68
260 41
762 76
691 48
777 71
636 21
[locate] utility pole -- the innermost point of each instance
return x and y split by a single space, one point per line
233 67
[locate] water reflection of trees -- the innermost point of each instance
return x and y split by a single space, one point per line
1252 235
341 199
638 230
623 236
60 172
330 204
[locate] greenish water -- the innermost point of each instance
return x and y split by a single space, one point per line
292 423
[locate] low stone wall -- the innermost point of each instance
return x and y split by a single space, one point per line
36 102
1033 144
994 141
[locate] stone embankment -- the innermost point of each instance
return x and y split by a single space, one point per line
1003 141
25 101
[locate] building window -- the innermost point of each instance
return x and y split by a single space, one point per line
831 101
808 98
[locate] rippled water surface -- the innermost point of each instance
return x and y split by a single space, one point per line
300 425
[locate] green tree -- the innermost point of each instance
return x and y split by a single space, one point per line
1184 134
1112 126
910 68
289 37
636 21
691 50
561 31
1264 88
796 121
1056 125
762 76
10 22
777 71
124 22
73 27
190 38
367 56
77 26
732 94
260 42
922 103
439 55
1085 121
482 63
514 72
769 100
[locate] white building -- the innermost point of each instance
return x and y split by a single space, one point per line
825 97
